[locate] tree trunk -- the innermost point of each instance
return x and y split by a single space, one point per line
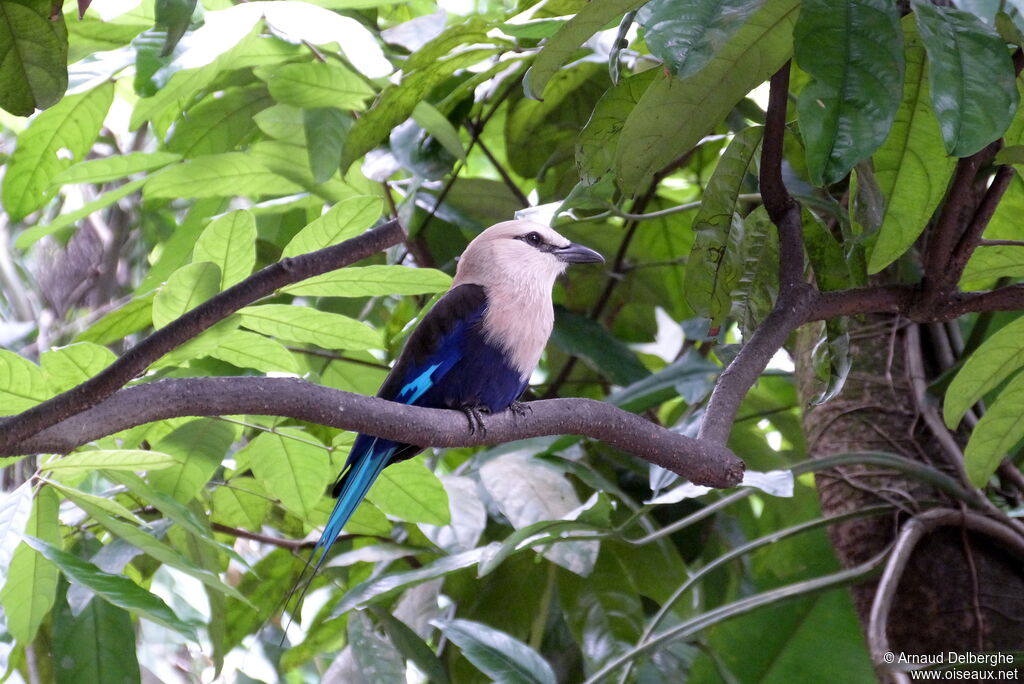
960 591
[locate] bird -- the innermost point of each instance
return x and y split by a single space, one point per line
474 351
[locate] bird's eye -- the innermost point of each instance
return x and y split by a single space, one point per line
534 239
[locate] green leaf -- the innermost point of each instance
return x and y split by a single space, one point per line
31 585
758 285
991 262
375 656
15 509
691 376
199 445
716 263
372 281
219 175
397 102
115 589
325 130
595 146
854 54
590 19
241 502
380 588
82 462
303 324
249 350
316 84
291 468
344 220
71 126
113 167
110 506
411 491
674 114
72 365
971 76
440 128
29 236
33 56
829 263
410 645
996 359
134 316
584 337
22 384
96 645
174 16
686 35
526 492
229 242
219 124
144 539
910 167
501 657
999 429
187 288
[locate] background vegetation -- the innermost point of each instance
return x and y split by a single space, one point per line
861 214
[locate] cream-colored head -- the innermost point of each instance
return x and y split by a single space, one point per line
516 262
523 253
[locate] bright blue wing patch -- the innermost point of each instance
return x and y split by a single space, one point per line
418 386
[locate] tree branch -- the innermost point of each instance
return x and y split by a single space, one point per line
134 361
700 462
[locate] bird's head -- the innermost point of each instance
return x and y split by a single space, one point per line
520 251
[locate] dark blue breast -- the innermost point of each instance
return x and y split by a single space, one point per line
483 377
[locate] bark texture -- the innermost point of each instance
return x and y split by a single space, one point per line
960 591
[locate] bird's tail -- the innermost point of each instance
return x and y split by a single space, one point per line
353 484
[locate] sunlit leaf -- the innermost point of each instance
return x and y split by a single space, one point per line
114 167
229 242
249 350
410 491
31 585
219 125
22 383
111 459
304 324
291 468
219 175
344 220
187 288
998 430
68 366
1000 356
316 84
372 281
498 655
33 56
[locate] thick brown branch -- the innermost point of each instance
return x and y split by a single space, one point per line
698 461
133 362
982 216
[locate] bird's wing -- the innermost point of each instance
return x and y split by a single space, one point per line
431 351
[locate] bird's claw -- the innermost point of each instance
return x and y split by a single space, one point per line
476 420
519 409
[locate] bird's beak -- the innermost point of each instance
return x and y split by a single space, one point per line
577 254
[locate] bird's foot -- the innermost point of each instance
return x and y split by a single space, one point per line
519 409
475 416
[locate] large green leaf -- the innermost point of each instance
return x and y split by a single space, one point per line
33 55
114 167
592 18
686 35
758 285
118 590
82 462
119 323
854 54
22 383
716 262
95 645
372 281
219 175
910 167
998 431
397 102
498 655
219 124
595 146
344 220
187 288
584 337
375 656
998 358
31 585
972 78
411 492
674 114
250 350
199 445
325 130
229 242
291 467
307 325
316 84
68 366
55 138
